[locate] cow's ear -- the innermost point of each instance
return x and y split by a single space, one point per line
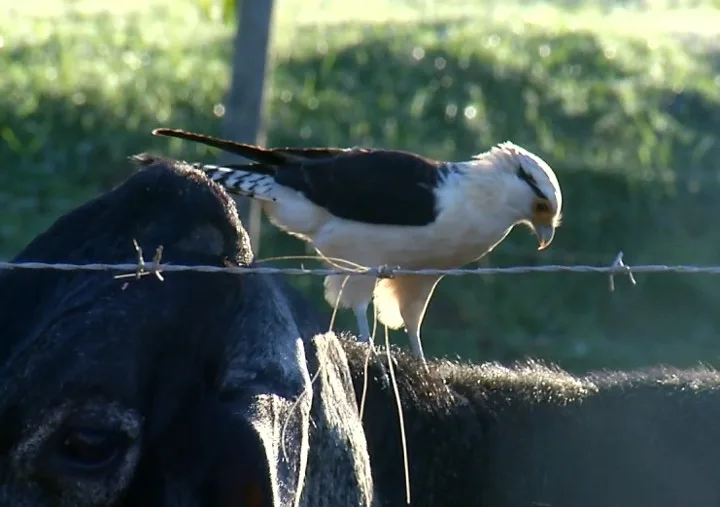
193 239
203 239
181 209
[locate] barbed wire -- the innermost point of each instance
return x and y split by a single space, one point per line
156 268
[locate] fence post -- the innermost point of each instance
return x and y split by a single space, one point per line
244 104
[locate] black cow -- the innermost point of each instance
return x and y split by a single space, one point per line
535 436
177 393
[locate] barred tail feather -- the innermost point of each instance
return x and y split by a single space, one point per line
238 181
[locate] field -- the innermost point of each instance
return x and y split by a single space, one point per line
629 118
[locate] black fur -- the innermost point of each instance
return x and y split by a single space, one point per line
374 186
533 435
194 356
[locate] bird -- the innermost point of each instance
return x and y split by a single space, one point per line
385 207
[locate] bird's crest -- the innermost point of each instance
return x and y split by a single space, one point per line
530 168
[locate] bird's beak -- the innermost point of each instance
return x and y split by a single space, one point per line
545 234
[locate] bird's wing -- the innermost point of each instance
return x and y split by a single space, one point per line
382 187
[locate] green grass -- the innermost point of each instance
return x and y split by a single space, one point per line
627 117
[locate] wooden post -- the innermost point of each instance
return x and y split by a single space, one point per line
244 104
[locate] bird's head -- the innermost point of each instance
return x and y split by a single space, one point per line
529 188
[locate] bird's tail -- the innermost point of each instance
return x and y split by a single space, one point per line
249 151
237 180
269 156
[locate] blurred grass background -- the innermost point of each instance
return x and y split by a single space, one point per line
622 98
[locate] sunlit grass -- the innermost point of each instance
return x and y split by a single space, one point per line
656 17
628 117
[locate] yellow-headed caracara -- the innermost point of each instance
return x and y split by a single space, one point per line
379 207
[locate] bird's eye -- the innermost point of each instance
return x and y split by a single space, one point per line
92 448
541 207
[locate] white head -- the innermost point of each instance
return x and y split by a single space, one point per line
527 187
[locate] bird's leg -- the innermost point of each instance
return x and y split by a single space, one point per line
416 343
360 312
414 293
355 293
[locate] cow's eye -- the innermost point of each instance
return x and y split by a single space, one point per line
89 448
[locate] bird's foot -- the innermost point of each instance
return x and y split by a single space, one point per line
384 377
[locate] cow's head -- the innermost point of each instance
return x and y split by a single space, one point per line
186 391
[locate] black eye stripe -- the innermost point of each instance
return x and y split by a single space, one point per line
527 178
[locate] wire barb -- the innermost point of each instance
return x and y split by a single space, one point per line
386 271
156 263
618 266
141 269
